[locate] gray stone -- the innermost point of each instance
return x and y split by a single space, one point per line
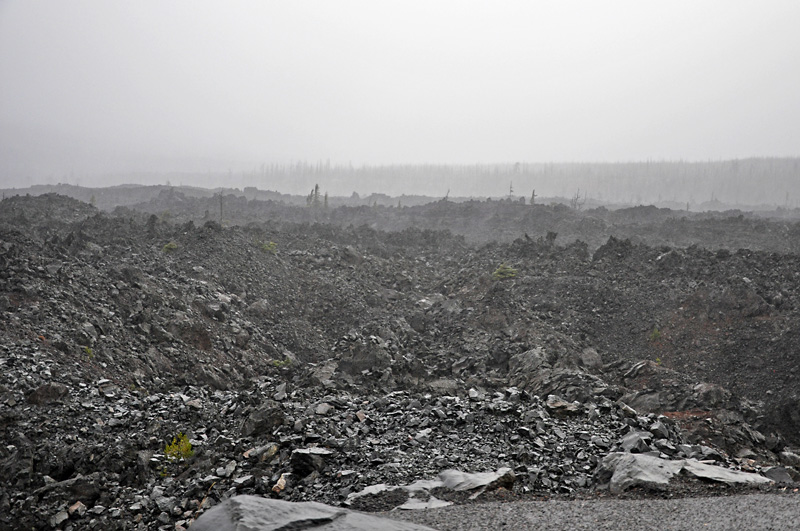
659 430
561 408
789 458
307 460
48 393
636 442
242 513
645 401
265 418
323 408
457 480
620 471
779 474
59 518
590 359
701 470
280 392
711 395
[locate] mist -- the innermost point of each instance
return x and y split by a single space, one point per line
101 93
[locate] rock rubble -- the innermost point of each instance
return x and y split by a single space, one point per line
343 359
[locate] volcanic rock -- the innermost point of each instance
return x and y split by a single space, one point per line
251 512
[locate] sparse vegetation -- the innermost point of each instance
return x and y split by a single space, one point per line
170 247
655 335
504 272
282 363
179 449
270 247
313 199
577 202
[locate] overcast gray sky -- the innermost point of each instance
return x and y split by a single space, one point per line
91 86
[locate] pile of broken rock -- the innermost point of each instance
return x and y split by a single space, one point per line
346 369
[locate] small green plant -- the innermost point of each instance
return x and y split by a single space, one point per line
170 247
503 272
282 363
179 449
658 361
655 335
89 352
270 247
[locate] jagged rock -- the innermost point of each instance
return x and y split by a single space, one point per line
590 359
789 458
308 460
710 395
781 474
359 357
264 419
418 494
621 471
457 480
702 470
48 393
646 400
251 512
636 442
561 408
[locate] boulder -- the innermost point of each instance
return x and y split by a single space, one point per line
48 393
621 471
267 417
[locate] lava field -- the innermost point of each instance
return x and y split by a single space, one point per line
155 362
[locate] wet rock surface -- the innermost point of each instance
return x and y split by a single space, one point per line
252 512
151 370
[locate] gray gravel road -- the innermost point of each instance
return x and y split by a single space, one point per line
750 511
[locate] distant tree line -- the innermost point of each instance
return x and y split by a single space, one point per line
751 181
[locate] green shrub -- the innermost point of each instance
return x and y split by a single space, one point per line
282 363
170 247
655 335
89 352
179 449
270 247
503 272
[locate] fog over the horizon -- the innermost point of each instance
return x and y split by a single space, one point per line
90 88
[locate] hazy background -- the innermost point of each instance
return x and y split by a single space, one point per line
101 92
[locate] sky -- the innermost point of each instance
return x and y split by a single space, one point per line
97 86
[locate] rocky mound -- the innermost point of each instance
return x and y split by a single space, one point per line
152 369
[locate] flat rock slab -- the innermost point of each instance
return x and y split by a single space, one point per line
253 513
622 471
419 492
702 470
457 480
